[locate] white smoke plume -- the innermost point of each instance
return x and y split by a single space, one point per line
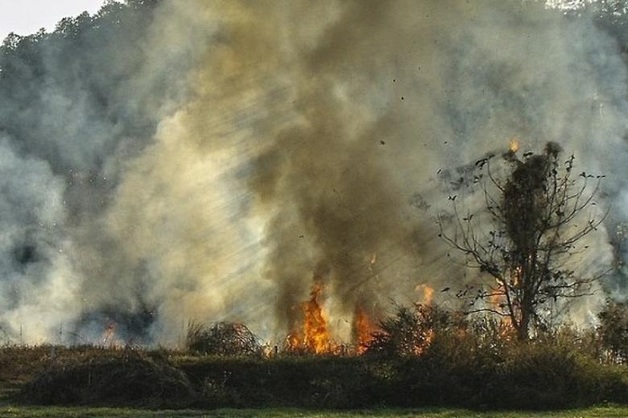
231 153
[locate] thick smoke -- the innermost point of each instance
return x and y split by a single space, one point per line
168 161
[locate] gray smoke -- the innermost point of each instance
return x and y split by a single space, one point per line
171 161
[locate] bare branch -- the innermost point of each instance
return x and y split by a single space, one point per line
535 211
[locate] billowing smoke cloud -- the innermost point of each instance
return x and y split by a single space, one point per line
171 161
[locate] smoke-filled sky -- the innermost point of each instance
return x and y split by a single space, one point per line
171 161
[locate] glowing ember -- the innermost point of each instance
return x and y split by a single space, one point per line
428 337
514 145
314 336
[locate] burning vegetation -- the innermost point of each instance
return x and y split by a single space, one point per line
364 330
412 329
312 335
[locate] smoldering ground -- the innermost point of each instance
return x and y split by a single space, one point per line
209 161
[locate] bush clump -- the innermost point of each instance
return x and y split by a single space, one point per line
128 379
223 339
613 330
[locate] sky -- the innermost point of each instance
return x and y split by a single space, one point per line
25 17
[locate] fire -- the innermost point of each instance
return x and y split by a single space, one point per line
426 336
363 328
427 294
505 329
314 337
514 145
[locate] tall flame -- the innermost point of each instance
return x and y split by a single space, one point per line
314 337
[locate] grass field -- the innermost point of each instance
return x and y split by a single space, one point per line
18 412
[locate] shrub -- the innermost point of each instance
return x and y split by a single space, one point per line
222 338
410 331
613 330
127 379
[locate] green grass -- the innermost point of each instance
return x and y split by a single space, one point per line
19 411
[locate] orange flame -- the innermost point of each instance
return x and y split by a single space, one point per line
314 337
427 294
425 336
497 300
363 329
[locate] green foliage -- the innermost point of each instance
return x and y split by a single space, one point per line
322 382
116 378
613 329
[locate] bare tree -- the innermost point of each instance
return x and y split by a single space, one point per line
538 211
